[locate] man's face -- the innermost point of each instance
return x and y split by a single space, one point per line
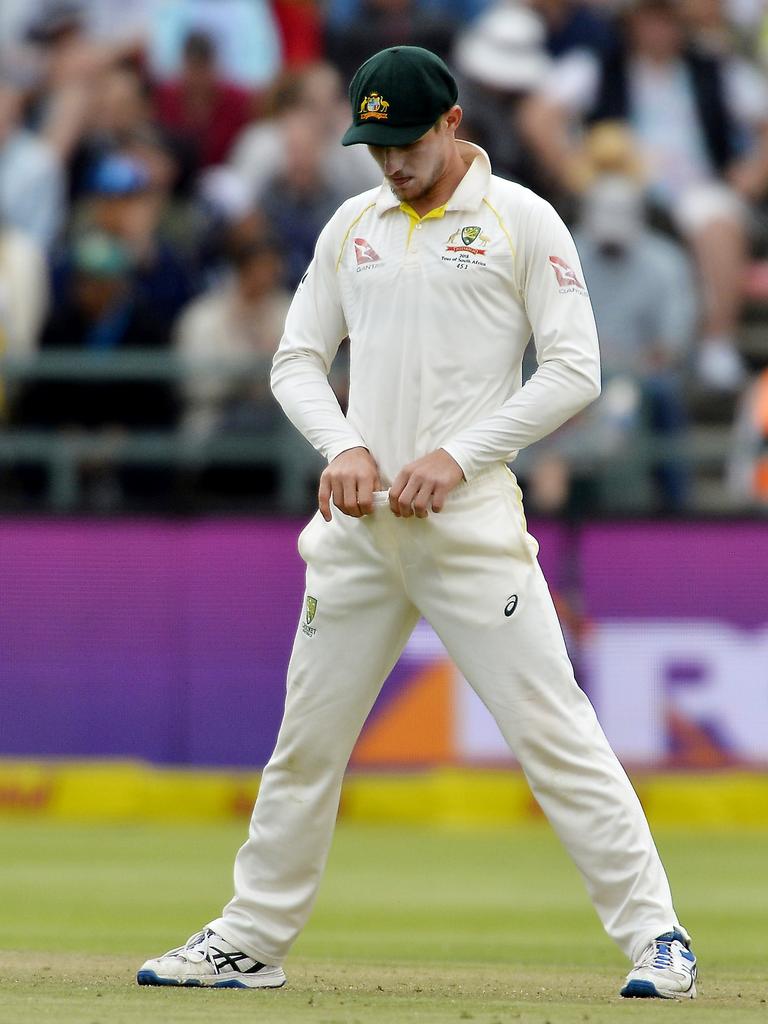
411 171
656 33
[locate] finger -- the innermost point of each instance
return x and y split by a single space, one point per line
421 502
407 495
438 499
394 491
365 487
350 506
324 497
338 494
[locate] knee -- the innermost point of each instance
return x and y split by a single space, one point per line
305 761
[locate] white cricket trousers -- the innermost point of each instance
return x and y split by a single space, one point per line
372 578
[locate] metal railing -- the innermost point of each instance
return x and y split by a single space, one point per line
278 446
62 452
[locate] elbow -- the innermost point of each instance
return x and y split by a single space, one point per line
588 390
273 380
277 372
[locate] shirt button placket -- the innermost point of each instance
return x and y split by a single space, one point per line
415 243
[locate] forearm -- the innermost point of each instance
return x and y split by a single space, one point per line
556 392
301 387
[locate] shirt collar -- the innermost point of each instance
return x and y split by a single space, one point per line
469 192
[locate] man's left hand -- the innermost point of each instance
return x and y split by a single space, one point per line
424 484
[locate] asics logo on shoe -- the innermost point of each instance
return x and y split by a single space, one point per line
234 961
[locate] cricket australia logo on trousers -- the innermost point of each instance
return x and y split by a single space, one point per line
309 614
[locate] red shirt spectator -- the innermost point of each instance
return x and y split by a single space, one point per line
200 106
299 23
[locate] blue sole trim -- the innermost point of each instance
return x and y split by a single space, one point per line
640 990
151 978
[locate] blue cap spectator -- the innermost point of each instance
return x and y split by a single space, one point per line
118 175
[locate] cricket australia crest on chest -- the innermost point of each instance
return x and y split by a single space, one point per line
467 247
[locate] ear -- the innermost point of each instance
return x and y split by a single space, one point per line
452 118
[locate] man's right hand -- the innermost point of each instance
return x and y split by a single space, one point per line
350 479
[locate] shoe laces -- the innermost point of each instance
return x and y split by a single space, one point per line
195 949
658 955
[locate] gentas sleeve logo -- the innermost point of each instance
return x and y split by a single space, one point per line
566 276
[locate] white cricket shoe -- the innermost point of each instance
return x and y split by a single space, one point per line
210 961
666 970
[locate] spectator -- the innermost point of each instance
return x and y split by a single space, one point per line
704 138
201 107
31 176
300 31
222 336
300 199
643 296
575 25
124 204
115 25
245 35
102 313
377 24
122 119
312 97
503 62
23 301
70 66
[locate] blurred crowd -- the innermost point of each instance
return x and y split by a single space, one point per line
166 167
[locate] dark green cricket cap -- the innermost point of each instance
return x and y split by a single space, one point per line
397 96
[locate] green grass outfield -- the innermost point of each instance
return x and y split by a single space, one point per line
411 925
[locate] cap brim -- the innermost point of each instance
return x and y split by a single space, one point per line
383 134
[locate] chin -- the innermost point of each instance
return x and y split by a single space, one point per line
406 192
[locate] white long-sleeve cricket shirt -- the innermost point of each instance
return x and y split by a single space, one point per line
439 311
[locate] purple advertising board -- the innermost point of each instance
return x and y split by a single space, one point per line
159 640
676 650
169 641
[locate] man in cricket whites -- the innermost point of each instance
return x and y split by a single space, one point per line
439 278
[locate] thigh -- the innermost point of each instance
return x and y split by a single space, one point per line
480 586
354 622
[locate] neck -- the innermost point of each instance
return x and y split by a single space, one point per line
442 190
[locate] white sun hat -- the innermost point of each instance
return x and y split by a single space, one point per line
505 49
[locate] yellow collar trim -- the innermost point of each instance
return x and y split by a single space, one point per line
435 214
